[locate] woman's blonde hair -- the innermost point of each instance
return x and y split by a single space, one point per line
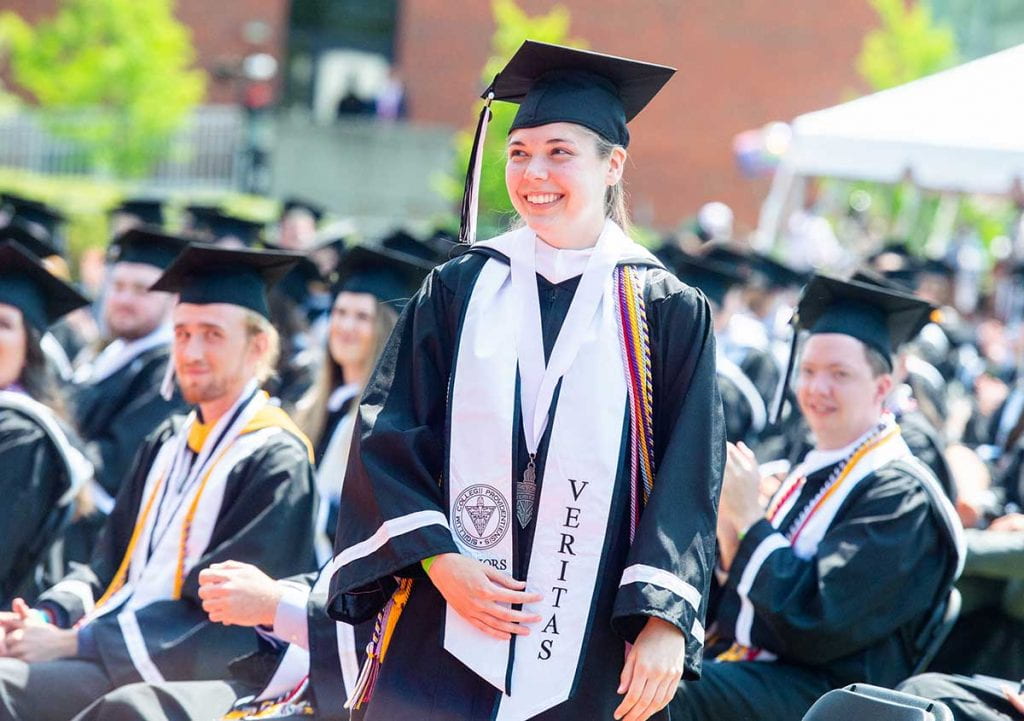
311 410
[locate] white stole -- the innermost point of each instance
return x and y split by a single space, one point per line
580 471
151 576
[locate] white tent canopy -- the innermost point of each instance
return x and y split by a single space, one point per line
960 130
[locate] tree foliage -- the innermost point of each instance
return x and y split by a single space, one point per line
113 76
512 27
908 45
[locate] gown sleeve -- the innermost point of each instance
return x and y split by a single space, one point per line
838 601
32 479
266 520
392 507
671 561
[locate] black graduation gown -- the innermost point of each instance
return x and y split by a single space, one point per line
763 370
33 476
266 519
397 463
852 613
967 698
739 415
115 415
209 700
924 441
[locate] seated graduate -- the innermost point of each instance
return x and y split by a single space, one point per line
307 664
116 396
232 481
969 698
504 452
836 581
745 411
44 476
372 286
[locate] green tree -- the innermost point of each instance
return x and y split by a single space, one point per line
908 45
512 27
113 76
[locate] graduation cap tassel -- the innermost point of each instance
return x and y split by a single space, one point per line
471 194
780 392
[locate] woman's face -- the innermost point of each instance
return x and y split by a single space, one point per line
556 180
350 340
13 342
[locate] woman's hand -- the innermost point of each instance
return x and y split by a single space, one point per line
652 671
477 592
239 594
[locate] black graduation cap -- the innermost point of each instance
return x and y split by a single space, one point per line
26 284
778 275
148 210
403 242
30 236
207 273
223 226
293 203
558 84
36 212
714 278
388 275
147 244
937 266
554 83
296 281
881 317
199 215
740 261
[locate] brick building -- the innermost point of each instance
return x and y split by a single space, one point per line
741 64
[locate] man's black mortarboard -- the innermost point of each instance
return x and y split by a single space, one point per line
38 213
557 84
778 275
206 273
30 236
386 274
27 285
740 261
149 211
715 279
296 281
224 227
880 317
938 266
198 216
435 249
294 203
149 245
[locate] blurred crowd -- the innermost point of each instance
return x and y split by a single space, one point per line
96 374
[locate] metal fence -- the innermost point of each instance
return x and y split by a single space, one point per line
206 152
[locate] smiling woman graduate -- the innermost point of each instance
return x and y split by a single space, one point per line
538 454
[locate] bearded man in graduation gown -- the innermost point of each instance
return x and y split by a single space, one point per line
835 583
306 666
233 480
116 397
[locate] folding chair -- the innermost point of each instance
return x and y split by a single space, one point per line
862 702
